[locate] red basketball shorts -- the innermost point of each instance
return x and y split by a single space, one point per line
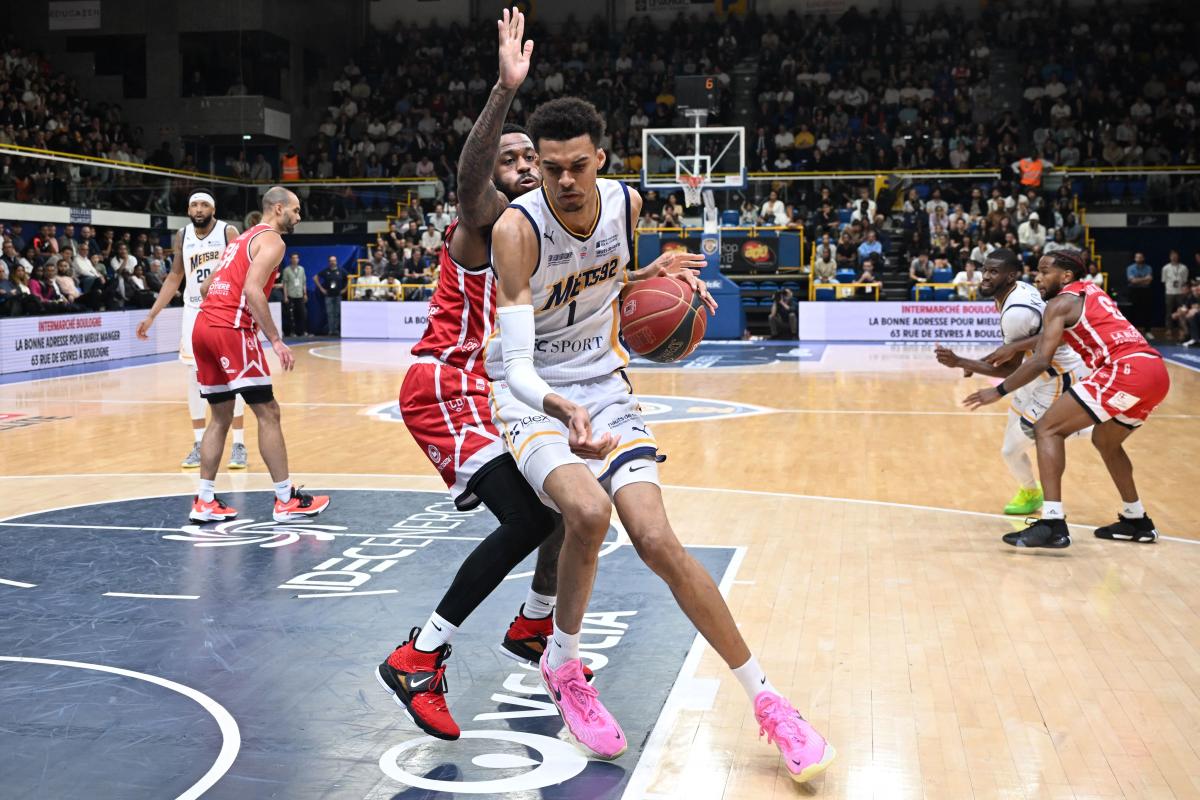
446 410
228 359
1126 390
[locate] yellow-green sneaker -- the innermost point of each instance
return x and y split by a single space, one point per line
1025 501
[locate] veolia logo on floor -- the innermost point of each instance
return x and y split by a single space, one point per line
510 745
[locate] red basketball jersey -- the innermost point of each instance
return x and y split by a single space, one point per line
461 314
225 304
1102 334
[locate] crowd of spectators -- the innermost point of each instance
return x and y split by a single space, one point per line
44 271
45 109
876 92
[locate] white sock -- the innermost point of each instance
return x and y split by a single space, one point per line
283 490
239 435
1133 510
752 678
1052 510
538 606
565 647
435 634
197 434
207 490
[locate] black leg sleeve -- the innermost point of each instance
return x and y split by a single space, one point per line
524 524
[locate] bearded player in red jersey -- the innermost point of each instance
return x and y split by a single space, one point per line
1128 380
230 362
444 402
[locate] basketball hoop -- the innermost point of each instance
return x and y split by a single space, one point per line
692 186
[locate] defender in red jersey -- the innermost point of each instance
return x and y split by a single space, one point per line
444 404
1128 381
230 362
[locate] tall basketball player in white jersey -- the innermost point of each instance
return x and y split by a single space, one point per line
572 422
1021 308
198 249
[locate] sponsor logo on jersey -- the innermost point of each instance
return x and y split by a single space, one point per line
567 289
584 345
609 245
559 258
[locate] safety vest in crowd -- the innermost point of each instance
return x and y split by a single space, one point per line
291 168
1031 171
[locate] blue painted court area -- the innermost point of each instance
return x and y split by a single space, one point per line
1183 356
281 626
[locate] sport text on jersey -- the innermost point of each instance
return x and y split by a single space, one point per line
567 289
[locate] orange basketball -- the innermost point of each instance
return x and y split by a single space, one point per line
663 319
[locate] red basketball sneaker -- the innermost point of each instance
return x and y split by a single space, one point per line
214 510
417 681
526 638
300 506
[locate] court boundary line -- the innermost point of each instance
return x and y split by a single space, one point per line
231 736
393 476
647 765
143 596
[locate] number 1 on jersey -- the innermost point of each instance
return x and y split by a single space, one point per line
571 312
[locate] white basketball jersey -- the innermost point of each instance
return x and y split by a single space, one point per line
1021 317
576 289
200 257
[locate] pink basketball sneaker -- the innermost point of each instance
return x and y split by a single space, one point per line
805 752
588 722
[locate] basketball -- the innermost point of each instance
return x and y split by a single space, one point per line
663 319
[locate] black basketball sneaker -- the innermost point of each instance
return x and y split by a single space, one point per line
1129 530
1052 533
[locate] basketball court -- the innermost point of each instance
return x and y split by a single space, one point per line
838 493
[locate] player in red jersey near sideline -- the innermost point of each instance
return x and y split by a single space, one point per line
230 362
444 402
1128 380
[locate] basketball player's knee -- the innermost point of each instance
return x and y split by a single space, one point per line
587 518
1104 441
659 549
266 412
1047 429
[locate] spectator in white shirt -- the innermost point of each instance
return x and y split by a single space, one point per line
1175 282
122 260
1032 234
431 239
83 269
773 211
368 286
439 219
966 283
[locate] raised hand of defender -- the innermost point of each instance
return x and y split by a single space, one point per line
945 356
579 428
284 353
514 56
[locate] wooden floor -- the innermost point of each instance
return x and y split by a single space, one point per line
873 587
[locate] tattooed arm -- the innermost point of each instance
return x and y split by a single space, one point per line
480 204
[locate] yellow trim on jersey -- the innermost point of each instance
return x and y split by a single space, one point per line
625 448
507 436
580 236
614 336
521 449
486 344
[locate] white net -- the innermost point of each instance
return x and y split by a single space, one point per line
692 188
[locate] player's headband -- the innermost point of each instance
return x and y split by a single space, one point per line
203 197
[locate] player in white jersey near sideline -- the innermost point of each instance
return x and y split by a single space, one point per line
198 249
1021 308
560 255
